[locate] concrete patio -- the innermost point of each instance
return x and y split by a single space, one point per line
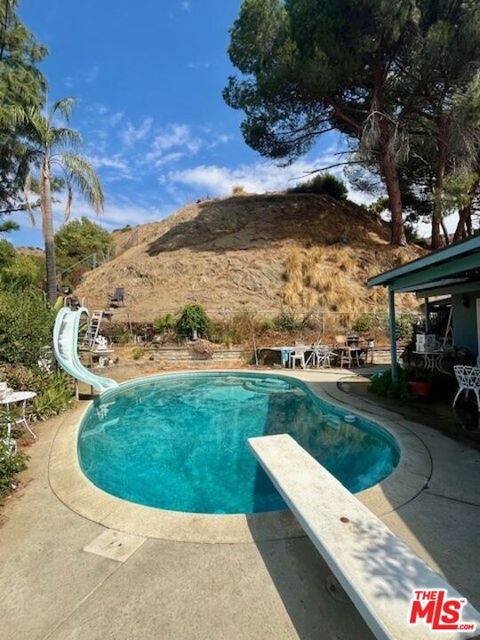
53 588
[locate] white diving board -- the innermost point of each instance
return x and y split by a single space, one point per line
375 568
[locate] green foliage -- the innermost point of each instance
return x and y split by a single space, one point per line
26 323
10 464
326 184
21 84
19 271
55 390
164 323
404 327
365 323
378 323
286 321
267 324
75 244
382 385
53 146
56 398
193 317
365 69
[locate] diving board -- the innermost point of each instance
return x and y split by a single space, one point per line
376 569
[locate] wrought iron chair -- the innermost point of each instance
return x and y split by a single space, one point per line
468 379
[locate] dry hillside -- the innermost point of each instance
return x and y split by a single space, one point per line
304 251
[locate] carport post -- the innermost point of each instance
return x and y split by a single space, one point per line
393 333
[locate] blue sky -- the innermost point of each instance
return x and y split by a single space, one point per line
148 77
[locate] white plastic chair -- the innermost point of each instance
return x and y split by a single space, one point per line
297 356
468 378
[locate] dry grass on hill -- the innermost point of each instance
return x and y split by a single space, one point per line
301 251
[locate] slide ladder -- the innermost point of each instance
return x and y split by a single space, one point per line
65 345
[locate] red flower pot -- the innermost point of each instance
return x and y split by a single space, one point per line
423 388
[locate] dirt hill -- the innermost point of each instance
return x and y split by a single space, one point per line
304 251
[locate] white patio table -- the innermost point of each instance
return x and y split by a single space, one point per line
20 397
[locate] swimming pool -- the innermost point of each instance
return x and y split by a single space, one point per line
179 442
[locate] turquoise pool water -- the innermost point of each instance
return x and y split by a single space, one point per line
179 442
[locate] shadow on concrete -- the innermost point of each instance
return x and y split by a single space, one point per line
444 527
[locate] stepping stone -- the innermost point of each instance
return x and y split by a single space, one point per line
115 545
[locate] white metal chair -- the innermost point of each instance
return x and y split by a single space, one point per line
320 357
468 379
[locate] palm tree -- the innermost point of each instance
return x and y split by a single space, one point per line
54 146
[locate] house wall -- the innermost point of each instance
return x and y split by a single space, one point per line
465 321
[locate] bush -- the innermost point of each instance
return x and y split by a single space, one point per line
327 184
365 323
164 323
77 241
10 464
55 390
286 321
26 324
404 327
193 319
20 271
267 324
382 385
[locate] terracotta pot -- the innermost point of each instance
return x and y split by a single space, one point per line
422 389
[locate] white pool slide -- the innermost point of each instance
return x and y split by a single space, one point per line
65 346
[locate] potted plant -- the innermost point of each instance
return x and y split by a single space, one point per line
420 382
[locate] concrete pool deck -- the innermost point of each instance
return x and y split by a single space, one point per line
64 577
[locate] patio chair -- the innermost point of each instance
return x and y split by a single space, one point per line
297 356
117 299
320 357
468 379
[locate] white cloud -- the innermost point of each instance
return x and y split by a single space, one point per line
256 178
92 74
198 65
172 143
131 134
110 162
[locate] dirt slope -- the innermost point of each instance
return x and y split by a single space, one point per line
304 251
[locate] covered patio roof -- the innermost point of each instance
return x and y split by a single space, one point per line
453 269
458 264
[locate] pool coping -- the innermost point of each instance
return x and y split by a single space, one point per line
79 494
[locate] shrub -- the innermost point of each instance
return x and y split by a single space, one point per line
138 353
26 323
55 390
327 184
10 464
56 398
286 321
404 327
267 324
164 323
193 319
364 323
238 190
382 385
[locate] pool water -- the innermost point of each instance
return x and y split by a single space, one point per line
179 442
